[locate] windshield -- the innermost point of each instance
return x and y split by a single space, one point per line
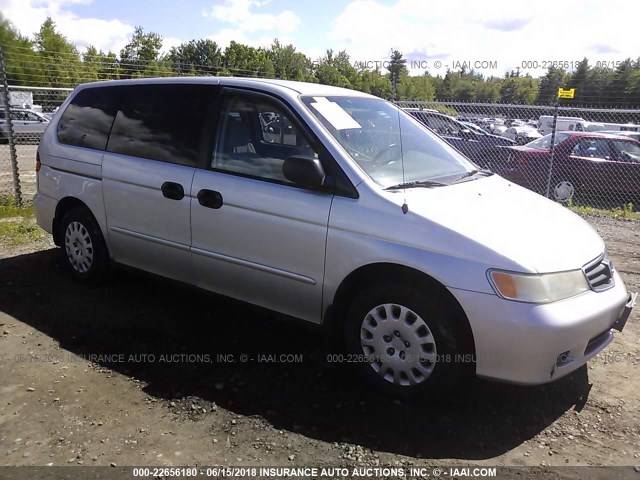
544 143
381 138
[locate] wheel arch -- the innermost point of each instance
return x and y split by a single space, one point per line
64 205
366 275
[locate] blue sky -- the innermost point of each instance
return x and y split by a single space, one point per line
491 36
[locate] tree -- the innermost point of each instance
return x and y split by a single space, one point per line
22 67
196 57
375 83
247 61
397 69
419 88
621 80
578 80
518 89
98 65
140 52
549 84
336 70
59 59
289 64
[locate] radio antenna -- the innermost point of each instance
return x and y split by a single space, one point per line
405 207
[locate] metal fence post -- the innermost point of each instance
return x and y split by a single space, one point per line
4 94
552 148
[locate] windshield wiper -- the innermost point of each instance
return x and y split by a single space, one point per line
472 173
417 183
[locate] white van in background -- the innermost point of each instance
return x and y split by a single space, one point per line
579 124
563 123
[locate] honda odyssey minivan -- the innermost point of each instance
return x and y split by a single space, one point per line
334 207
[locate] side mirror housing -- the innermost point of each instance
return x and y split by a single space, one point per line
305 171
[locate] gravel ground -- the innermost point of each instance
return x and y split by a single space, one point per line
138 372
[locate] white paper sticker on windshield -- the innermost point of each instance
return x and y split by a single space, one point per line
335 115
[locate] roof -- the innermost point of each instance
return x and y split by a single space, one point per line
594 134
289 87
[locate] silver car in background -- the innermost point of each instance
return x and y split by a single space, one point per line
334 207
28 125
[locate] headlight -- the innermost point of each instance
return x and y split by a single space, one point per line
542 288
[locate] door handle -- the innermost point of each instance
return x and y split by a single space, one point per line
210 198
172 190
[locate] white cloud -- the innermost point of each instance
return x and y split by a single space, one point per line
247 26
459 30
28 15
168 42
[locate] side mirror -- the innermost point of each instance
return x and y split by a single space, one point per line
305 171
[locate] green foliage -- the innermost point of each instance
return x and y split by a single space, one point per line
17 224
140 54
51 60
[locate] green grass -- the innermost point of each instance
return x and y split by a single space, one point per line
625 211
18 224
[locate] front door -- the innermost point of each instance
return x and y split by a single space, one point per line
256 236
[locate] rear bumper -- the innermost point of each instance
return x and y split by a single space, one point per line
534 344
45 208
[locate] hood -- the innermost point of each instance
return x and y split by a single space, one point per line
494 214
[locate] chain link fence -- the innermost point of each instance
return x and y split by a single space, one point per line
576 155
22 123
580 167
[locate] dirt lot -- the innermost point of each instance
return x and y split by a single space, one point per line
158 393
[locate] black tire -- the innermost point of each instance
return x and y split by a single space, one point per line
452 342
81 239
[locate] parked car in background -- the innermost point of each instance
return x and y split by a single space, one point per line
498 128
478 145
522 134
28 126
588 168
474 128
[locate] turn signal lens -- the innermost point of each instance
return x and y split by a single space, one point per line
38 164
540 288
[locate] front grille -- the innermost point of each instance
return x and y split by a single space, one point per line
599 273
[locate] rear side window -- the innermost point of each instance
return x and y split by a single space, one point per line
88 118
162 122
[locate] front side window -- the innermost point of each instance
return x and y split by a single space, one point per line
87 119
254 138
387 143
162 122
593 148
626 151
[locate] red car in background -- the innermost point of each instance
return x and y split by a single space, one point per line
588 168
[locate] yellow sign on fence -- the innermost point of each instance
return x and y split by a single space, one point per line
568 93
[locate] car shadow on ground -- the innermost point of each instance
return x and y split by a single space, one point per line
137 314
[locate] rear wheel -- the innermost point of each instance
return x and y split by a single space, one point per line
407 341
84 251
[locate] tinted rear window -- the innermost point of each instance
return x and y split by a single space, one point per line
87 120
162 122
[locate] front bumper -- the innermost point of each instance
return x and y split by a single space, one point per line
534 344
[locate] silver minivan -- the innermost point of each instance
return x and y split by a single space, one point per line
334 207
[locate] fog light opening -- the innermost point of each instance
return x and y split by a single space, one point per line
563 359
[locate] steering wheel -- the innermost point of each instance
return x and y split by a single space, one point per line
379 159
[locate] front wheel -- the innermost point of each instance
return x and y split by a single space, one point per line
84 251
407 341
